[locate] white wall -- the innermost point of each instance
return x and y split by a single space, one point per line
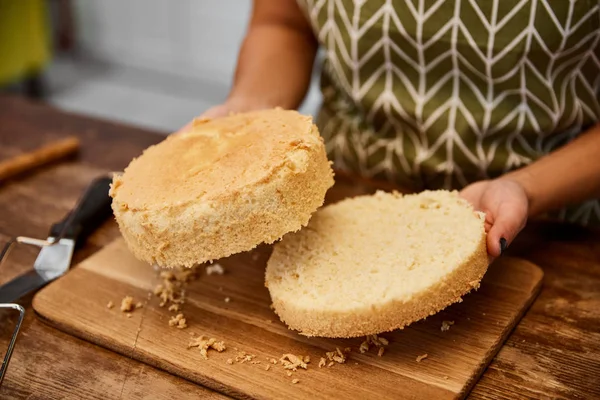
193 38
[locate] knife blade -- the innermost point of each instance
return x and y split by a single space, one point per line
54 260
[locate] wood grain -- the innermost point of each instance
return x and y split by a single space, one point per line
553 353
77 304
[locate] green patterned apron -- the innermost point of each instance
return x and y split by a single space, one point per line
442 93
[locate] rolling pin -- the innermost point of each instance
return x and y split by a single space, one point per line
38 157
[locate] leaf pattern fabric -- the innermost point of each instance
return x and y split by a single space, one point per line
442 93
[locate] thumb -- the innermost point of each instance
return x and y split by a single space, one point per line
508 220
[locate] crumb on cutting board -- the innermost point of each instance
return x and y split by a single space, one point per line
204 344
243 357
421 357
293 362
227 299
172 288
294 381
127 304
446 325
178 321
215 269
110 305
337 356
373 340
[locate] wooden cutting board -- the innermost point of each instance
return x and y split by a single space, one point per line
77 304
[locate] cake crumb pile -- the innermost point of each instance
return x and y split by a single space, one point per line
332 357
178 321
374 340
243 357
293 362
204 344
171 292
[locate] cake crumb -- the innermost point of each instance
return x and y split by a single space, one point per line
172 289
380 351
178 321
268 367
227 299
307 359
273 361
243 357
229 361
174 307
110 304
322 362
289 373
373 340
269 321
204 344
294 381
215 269
446 377
128 315
127 303
337 356
422 357
446 325
290 361
139 305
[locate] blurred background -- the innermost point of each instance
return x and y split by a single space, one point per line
151 63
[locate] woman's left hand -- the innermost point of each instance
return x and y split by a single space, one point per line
506 207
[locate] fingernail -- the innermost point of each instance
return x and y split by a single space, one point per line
503 245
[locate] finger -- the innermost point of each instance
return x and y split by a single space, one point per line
508 221
185 128
215 112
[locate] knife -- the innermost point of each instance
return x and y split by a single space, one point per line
54 259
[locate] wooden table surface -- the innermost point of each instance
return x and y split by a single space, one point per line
554 352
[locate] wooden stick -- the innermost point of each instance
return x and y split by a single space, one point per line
38 157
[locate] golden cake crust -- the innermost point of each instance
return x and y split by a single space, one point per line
222 187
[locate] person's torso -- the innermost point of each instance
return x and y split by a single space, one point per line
442 93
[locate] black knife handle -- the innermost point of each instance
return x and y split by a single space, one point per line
91 211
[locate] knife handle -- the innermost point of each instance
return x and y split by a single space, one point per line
91 211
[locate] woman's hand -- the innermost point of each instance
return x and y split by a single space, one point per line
232 105
506 206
